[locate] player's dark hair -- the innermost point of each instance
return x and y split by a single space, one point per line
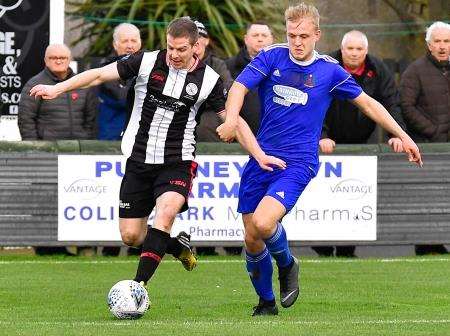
183 27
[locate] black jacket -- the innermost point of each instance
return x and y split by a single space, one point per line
251 109
209 120
425 97
220 67
69 116
344 122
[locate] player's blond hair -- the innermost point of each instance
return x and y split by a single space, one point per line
302 10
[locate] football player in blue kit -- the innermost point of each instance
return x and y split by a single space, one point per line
296 85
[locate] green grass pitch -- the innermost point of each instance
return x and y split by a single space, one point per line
67 296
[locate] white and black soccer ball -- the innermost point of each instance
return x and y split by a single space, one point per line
128 299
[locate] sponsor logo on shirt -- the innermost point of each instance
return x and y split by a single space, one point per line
277 73
167 104
291 95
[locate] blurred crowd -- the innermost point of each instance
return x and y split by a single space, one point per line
418 99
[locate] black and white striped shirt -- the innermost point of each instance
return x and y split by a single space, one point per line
167 107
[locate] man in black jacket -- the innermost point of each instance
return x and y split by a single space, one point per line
425 98
206 130
70 116
257 37
344 123
425 88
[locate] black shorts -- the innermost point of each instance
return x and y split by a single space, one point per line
143 183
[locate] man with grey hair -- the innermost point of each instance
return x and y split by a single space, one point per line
70 116
344 122
425 88
425 97
112 112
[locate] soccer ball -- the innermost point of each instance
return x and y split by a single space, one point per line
128 299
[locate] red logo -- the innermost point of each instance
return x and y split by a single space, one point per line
158 77
178 183
370 74
75 95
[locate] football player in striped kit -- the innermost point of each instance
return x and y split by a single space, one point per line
171 88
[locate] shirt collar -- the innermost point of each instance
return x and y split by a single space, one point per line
304 63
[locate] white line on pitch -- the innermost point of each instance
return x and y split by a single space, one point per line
172 323
228 261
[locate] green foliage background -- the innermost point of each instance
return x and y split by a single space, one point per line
225 20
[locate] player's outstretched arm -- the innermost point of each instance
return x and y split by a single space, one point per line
83 80
248 141
381 116
233 105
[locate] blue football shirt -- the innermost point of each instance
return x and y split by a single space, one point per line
295 97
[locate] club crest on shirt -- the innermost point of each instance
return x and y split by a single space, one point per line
308 80
191 89
291 95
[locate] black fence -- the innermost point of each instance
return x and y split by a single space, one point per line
413 203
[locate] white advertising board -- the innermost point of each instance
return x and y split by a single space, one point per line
338 205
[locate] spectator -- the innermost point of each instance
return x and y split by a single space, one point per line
344 122
70 116
425 89
206 130
113 95
257 37
425 97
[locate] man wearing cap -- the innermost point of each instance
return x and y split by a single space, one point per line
206 131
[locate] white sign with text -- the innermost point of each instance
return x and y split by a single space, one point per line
338 205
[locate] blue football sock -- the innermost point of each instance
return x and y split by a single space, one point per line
279 248
260 269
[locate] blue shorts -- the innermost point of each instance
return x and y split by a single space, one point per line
285 186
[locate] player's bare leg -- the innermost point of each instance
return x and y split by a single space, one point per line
134 231
158 237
